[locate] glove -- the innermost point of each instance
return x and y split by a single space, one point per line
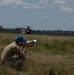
23 52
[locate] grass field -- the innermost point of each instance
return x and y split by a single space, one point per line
52 55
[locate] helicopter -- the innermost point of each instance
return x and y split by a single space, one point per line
26 30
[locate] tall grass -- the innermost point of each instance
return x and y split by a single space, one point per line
52 55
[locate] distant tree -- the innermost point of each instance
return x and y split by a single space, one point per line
17 30
1 28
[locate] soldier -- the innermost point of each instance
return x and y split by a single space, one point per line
12 54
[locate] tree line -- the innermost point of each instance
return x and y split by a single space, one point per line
44 32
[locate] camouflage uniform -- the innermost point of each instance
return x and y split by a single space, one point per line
9 52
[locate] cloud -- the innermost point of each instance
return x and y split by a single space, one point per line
43 2
68 9
64 6
59 2
25 5
7 2
32 6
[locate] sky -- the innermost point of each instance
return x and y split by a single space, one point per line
38 14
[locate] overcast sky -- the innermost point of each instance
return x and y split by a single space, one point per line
39 14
